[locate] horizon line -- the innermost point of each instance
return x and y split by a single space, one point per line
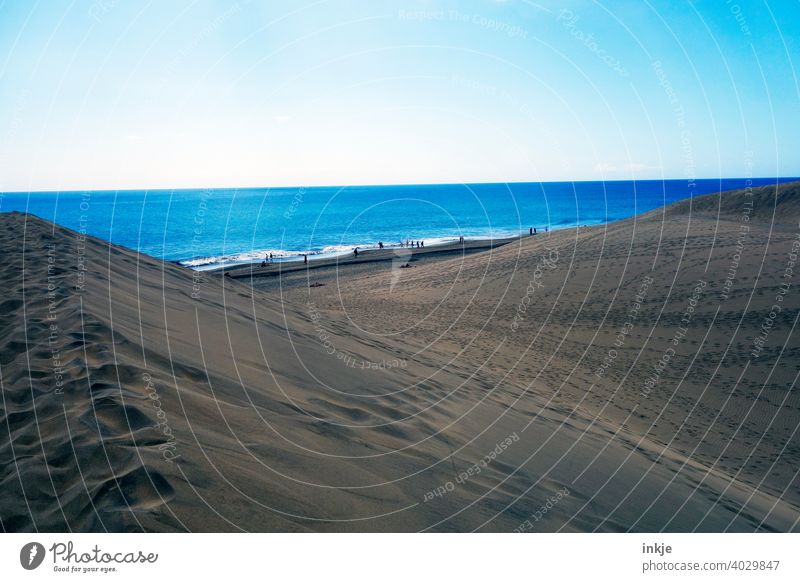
396 185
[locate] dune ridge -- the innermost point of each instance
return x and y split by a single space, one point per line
464 393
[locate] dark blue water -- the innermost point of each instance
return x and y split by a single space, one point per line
211 227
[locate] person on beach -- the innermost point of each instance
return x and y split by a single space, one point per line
422 243
534 230
355 252
530 231
305 259
380 245
270 257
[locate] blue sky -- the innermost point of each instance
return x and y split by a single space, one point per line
118 94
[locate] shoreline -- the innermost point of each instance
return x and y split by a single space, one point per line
290 256
369 255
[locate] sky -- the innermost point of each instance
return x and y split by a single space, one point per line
116 94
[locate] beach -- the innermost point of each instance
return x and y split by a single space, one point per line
639 375
398 255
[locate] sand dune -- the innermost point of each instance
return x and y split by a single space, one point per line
633 376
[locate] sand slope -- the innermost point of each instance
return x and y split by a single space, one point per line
483 392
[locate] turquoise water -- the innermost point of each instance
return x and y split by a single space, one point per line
203 228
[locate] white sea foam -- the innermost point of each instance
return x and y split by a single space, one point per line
261 254
283 255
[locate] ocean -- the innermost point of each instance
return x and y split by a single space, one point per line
208 228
